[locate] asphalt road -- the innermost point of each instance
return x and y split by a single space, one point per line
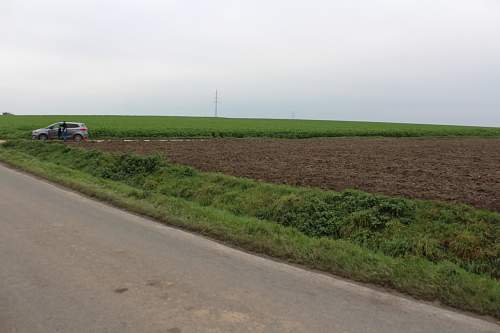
71 264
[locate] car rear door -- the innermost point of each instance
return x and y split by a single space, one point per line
72 129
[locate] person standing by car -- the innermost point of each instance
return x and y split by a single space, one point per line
64 129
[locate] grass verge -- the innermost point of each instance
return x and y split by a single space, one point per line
142 185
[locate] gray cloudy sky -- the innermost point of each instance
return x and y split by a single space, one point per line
428 61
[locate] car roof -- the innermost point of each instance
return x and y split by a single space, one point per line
67 122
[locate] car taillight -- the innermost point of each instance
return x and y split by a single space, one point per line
83 129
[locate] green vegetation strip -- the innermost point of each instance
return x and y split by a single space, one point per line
429 250
162 126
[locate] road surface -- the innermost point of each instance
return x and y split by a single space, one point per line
71 264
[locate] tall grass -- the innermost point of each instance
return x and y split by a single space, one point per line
156 126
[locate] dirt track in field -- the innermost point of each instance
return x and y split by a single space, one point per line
454 170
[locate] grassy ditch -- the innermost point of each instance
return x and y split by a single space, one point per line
428 250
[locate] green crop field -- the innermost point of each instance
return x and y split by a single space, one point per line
163 126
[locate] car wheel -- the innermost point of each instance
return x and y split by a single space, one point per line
43 137
77 138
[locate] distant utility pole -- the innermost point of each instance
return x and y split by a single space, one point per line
216 103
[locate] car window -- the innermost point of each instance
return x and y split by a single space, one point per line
72 125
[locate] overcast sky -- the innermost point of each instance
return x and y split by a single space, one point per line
426 61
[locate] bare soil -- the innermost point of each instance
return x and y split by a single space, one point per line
464 170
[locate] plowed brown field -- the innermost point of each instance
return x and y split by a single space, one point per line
453 170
